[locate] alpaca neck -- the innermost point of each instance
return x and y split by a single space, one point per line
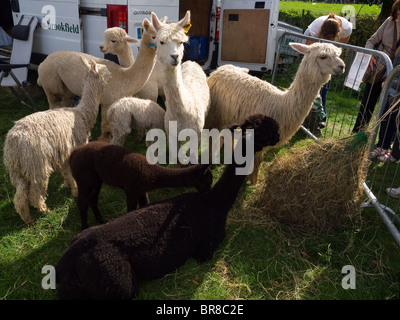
174 87
168 177
126 58
301 95
226 189
88 107
141 69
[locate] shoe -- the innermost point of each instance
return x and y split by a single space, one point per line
393 192
378 152
387 157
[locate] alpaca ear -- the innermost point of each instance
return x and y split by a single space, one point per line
164 19
233 127
204 169
185 22
155 21
130 39
300 47
146 24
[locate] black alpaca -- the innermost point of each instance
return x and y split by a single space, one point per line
100 162
104 262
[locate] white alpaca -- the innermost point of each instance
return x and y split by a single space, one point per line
131 112
187 96
116 41
126 81
41 143
235 95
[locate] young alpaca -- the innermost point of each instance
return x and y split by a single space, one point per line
128 113
187 96
41 143
235 94
105 262
101 162
116 41
126 81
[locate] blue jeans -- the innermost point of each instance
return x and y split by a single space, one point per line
324 94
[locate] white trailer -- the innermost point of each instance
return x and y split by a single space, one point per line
238 32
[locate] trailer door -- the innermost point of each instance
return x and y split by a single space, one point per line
248 33
59 26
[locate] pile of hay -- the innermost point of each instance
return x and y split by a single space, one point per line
316 188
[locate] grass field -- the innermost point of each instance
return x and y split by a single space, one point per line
260 259
321 8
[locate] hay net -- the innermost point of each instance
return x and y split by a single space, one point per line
316 188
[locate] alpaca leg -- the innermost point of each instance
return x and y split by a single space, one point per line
54 100
82 202
21 201
67 100
144 200
94 203
131 201
69 180
105 125
37 195
258 157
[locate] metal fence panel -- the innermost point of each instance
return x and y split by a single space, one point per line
342 107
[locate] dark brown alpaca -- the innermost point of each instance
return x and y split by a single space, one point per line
100 162
105 262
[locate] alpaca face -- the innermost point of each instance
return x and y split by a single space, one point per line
170 52
114 41
329 61
170 40
325 55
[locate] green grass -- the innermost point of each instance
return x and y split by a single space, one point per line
259 259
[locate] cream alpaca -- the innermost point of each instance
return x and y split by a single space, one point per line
131 112
126 81
187 96
235 95
41 143
116 41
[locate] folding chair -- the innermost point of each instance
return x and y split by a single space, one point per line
15 72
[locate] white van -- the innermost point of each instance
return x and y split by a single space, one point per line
239 32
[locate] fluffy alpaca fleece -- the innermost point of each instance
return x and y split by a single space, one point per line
235 94
105 262
41 143
187 96
101 162
128 113
117 41
126 81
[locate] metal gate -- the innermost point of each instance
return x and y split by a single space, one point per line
345 93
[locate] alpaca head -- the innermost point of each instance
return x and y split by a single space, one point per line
98 73
323 58
170 39
116 41
149 34
265 131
